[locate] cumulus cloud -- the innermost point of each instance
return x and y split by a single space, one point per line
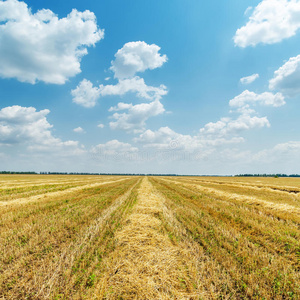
249 79
287 148
286 79
270 22
40 46
167 139
21 124
79 130
113 147
247 118
213 137
132 58
292 146
100 126
265 99
228 126
135 117
134 85
285 155
86 94
27 126
116 152
135 57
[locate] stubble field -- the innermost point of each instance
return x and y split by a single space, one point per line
122 237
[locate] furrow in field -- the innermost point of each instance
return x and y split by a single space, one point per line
15 192
281 195
44 244
260 254
243 186
76 249
278 232
210 280
146 264
234 196
283 184
15 184
58 193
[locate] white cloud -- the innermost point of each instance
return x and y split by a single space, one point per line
214 135
265 99
85 94
248 10
79 130
228 126
228 130
136 57
166 139
100 126
287 77
30 128
134 120
167 151
292 146
133 57
271 22
246 120
112 148
249 79
42 47
134 85
22 124
285 153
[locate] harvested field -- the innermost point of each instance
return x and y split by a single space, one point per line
254 239
122 237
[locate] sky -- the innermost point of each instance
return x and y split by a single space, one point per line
184 87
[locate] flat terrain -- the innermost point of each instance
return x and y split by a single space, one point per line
122 237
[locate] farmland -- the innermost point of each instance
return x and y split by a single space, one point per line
123 237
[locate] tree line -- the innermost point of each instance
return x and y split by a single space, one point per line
268 175
141 174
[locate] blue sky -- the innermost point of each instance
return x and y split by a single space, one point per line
187 87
